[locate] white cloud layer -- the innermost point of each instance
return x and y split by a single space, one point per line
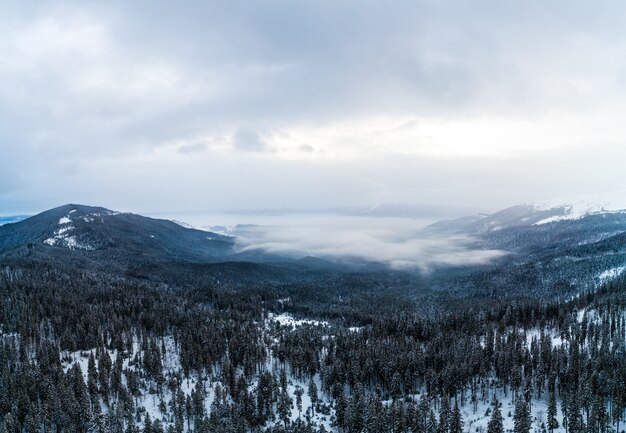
397 242
153 106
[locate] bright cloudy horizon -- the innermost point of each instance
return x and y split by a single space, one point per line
157 107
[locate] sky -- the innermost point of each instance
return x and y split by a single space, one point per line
155 106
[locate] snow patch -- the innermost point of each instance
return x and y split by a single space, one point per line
63 238
576 211
288 320
610 274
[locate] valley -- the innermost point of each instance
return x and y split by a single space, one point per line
144 325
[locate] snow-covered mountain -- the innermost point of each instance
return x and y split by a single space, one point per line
107 234
526 215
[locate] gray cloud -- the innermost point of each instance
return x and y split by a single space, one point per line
248 140
307 148
187 149
102 98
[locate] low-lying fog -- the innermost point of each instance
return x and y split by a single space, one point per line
398 242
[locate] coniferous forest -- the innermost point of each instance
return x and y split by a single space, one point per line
85 352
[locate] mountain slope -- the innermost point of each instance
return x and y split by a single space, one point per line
553 251
99 232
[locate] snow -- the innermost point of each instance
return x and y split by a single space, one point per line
475 416
63 238
476 421
149 403
592 315
183 224
535 333
575 211
286 319
63 230
610 274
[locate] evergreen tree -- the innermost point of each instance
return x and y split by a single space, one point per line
456 421
284 407
495 424
574 417
340 409
299 392
521 418
552 420
443 425
313 394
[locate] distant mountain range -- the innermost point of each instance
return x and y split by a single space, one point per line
95 239
524 215
552 250
12 219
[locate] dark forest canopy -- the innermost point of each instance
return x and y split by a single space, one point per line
442 360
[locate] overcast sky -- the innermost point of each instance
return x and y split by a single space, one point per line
163 106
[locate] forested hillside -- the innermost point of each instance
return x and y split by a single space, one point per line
84 353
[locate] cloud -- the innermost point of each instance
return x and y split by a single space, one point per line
418 101
187 149
399 243
248 140
307 148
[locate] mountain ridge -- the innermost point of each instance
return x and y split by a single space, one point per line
92 229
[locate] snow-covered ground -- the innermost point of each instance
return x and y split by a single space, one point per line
610 274
578 210
476 414
535 334
286 319
172 367
477 420
62 235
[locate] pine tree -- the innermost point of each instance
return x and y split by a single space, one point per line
574 417
423 415
101 425
564 411
443 426
396 385
374 417
92 380
313 394
147 424
521 418
284 406
495 424
398 421
340 409
552 421
456 421
299 392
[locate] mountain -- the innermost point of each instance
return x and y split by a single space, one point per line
98 233
116 245
551 250
524 215
11 219
548 252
